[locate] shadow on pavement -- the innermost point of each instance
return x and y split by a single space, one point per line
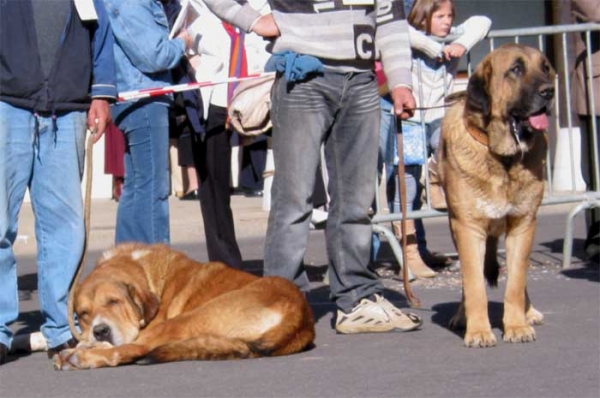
591 272
445 311
556 246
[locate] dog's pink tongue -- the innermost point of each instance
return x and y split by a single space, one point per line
539 122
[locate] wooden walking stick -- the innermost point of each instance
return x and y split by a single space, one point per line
412 299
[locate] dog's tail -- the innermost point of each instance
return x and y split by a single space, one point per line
491 267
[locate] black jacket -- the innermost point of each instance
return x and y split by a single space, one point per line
69 85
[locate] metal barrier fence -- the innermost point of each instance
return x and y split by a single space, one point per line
564 140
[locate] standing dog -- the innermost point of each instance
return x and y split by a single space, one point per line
492 157
149 303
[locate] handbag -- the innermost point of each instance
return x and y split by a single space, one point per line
250 106
413 143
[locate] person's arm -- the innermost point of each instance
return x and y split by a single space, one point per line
104 88
141 30
420 41
241 15
472 31
393 42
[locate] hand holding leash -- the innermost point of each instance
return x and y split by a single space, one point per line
98 118
404 102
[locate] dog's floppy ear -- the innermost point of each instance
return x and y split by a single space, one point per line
478 97
146 302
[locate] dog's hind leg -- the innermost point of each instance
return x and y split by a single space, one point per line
491 267
534 317
459 320
203 347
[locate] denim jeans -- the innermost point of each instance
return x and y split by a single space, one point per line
143 212
47 159
341 111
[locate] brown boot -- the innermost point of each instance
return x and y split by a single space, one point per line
413 258
437 197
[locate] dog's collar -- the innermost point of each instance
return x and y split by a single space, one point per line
478 134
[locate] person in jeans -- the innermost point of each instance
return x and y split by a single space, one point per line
326 93
143 56
55 66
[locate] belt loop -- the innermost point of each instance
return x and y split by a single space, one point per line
36 133
54 126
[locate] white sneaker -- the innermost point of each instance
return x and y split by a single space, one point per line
376 316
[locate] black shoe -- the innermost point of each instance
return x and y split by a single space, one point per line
192 195
592 243
253 194
237 191
3 353
71 343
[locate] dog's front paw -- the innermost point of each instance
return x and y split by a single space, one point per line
534 317
68 360
480 339
519 334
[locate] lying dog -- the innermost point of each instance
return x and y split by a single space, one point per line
150 304
492 159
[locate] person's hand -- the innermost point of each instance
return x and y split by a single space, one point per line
98 118
188 40
453 51
404 102
266 27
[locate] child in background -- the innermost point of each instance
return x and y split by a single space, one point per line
434 67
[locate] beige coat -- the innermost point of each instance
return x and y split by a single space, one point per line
585 11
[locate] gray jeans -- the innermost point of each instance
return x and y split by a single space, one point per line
341 111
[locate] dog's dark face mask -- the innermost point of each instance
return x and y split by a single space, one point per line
511 91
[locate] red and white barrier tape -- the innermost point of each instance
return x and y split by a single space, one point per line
157 91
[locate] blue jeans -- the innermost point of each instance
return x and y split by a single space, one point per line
341 111
47 159
143 213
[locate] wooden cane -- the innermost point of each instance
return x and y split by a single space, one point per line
412 299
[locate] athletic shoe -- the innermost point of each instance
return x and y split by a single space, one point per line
376 316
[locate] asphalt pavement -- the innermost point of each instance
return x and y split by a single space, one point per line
431 362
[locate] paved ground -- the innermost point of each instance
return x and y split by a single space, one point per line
563 362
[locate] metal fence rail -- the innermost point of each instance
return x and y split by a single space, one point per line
563 133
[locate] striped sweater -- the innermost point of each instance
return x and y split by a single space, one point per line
347 35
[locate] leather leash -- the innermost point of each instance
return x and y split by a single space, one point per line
412 299
86 222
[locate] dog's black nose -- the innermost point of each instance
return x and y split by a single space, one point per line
547 92
102 332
